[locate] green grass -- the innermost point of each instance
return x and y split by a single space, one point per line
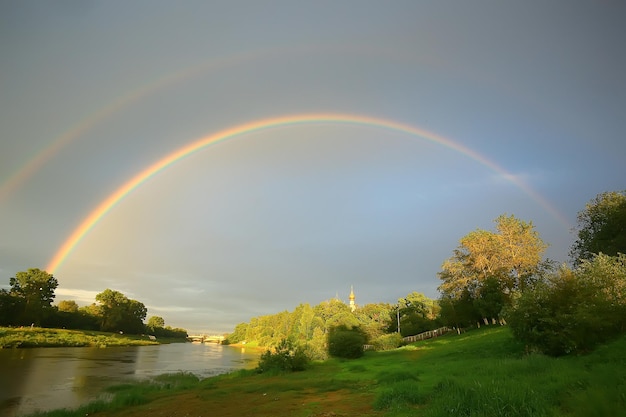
41 337
479 373
122 396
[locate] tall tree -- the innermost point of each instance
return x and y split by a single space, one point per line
601 227
508 258
155 321
36 289
118 313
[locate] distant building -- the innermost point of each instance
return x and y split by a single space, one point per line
352 305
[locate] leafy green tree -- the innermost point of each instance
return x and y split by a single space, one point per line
156 322
459 311
118 313
69 306
375 319
335 313
238 335
345 342
11 308
490 299
417 314
574 310
36 288
509 259
601 227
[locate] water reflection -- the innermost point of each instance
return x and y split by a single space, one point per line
50 378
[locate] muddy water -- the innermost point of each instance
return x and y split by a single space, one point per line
50 378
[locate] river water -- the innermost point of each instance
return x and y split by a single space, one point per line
43 379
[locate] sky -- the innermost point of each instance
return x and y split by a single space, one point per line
346 144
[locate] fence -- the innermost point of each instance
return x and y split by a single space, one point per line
427 335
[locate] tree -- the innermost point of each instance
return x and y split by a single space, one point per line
156 321
601 227
574 310
335 313
345 342
68 306
416 312
36 289
375 319
118 313
11 308
512 256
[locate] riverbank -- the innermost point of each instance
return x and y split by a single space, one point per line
482 372
27 337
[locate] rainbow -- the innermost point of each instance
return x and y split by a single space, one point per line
40 159
265 124
17 179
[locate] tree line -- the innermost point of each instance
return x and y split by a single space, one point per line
310 325
556 309
28 302
492 277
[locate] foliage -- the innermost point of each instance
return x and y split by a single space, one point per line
459 311
68 306
155 321
488 268
29 303
601 227
119 313
387 341
310 326
35 290
417 314
345 342
375 319
285 357
575 310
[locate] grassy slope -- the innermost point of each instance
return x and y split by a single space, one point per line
479 373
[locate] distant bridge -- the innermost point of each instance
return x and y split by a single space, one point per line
203 338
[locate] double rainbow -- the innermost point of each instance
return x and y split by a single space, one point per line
266 124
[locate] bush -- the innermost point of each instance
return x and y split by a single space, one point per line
387 341
347 343
283 358
575 310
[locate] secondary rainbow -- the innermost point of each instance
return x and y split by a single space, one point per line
265 124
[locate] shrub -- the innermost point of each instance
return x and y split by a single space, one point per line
283 358
387 341
575 310
347 343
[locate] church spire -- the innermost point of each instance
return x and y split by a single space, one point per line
352 297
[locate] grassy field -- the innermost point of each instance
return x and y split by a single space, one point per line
479 373
40 337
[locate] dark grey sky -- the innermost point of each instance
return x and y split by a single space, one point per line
92 93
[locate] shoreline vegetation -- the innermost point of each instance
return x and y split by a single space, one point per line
30 337
482 372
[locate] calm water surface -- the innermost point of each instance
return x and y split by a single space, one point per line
50 378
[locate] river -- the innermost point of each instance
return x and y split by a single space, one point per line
42 379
